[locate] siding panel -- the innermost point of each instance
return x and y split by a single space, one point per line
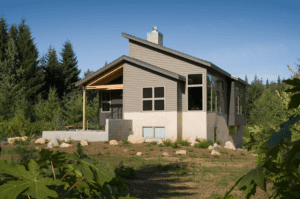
135 78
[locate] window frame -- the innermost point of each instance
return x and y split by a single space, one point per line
154 98
238 96
211 88
194 85
105 101
153 128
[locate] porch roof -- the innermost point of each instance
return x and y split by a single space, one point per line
125 59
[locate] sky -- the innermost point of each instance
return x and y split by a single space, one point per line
241 37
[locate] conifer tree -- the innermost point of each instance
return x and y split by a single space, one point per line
32 79
51 72
69 69
10 91
267 84
3 37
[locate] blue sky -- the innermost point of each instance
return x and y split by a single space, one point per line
241 37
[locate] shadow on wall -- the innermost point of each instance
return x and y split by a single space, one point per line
222 132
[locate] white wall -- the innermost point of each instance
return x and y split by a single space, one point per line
194 125
154 119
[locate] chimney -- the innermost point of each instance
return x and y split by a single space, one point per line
155 36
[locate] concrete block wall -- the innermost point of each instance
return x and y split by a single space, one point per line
118 129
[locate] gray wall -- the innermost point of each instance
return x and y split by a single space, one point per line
118 129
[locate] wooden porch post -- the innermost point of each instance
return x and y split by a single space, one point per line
84 100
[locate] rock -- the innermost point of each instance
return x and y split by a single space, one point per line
83 143
139 153
113 142
181 152
65 145
215 153
68 139
11 140
136 139
165 154
229 145
40 140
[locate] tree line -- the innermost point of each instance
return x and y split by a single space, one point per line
35 92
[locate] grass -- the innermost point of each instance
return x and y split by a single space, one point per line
182 171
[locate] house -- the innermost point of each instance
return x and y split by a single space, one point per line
168 94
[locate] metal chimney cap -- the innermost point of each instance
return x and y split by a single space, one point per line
154 29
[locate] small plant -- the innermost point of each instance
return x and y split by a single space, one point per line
99 154
104 147
56 147
132 150
151 149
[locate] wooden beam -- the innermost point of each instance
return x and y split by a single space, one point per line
106 87
84 100
106 75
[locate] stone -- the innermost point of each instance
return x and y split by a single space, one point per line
136 139
181 152
40 140
215 152
229 145
83 143
53 143
165 154
113 142
65 145
11 140
68 139
139 153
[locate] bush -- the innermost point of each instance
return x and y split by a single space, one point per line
125 172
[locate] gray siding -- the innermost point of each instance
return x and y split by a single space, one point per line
136 77
169 62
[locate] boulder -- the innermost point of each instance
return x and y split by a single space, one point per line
113 142
40 140
11 140
136 139
229 145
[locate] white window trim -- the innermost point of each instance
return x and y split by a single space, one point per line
153 127
102 101
153 98
195 85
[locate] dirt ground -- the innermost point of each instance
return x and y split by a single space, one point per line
217 174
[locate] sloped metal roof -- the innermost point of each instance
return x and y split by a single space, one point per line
125 58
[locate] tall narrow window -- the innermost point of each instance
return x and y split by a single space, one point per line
215 92
195 92
106 101
239 100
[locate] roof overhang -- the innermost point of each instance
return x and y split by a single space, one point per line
183 55
99 79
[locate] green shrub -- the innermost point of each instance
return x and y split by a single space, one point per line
125 172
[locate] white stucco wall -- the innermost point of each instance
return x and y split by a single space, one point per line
194 125
154 119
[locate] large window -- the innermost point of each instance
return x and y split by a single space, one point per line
106 101
239 100
214 90
154 96
154 132
195 92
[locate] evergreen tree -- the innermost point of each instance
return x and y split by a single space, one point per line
9 90
3 37
90 94
267 84
69 69
246 80
51 72
32 79
253 93
13 32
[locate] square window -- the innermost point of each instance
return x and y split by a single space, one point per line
106 96
147 92
148 132
195 98
105 106
159 132
195 79
159 105
147 105
159 92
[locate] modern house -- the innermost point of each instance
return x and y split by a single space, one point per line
167 94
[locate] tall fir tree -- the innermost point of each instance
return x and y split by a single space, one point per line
10 91
267 84
246 80
51 72
69 68
32 79
3 39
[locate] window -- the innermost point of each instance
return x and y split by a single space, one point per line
239 100
154 97
214 90
154 132
106 101
195 92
